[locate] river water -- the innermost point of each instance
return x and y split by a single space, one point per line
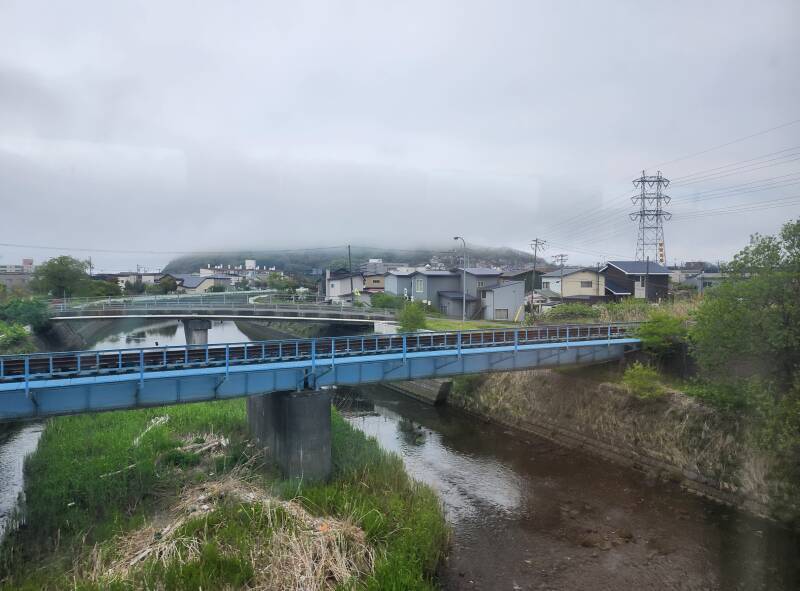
525 513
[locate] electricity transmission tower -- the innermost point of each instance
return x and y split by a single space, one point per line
651 215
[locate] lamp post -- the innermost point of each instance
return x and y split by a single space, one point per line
463 281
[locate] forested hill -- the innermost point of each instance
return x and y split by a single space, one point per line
303 260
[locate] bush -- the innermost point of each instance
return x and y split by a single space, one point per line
411 317
25 311
387 300
626 310
14 339
573 312
662 334
642 380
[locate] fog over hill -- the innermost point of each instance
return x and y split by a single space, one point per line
303 260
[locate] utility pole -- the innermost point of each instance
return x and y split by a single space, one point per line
559 260
651 216
350 271
646 277
536 244
463 281
91 267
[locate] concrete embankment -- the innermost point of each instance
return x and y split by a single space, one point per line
673 437
72 336
433 391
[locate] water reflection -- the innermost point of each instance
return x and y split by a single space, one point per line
163 333
531 514
16 442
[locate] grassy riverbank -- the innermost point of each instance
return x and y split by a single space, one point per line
178 498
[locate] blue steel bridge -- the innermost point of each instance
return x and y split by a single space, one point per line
49 384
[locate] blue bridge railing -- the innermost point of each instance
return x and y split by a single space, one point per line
57 365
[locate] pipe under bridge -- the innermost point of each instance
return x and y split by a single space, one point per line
292 374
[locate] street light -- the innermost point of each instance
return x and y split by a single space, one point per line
463 281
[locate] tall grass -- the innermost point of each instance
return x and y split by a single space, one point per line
95 477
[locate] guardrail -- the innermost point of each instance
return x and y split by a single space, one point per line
39 366
224 297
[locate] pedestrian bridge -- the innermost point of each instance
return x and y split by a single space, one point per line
220 310
49 384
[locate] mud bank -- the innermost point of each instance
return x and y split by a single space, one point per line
675 437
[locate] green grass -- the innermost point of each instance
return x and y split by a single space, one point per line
432 323
89 482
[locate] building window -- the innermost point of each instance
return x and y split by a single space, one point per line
501 314
419 285
376 282
481 283
545 285
333 286
586 283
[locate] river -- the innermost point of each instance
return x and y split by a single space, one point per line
526 513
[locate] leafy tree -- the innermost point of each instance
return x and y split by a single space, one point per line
750 324
411 317
168 284
93 288
642 380
135 288
662 334
60 276
25 311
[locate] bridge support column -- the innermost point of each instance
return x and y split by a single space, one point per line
294 428
196 331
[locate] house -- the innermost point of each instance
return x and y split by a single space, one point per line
340 285
640 279
198 283
703 281
379 267
428 284
398 282
374 282
525 275
579 283
503 301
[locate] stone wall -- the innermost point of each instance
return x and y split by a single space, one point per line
674 437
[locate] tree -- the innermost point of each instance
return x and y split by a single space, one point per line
94 288
60 276
135 288
662 334
411 317
750 324
25 311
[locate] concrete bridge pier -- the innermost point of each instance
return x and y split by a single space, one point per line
294 428
196 331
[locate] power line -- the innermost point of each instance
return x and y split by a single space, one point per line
730 143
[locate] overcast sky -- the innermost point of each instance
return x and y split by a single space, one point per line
177 126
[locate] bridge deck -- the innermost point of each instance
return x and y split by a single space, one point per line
56 383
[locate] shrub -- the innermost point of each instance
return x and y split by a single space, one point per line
642 380
387 300
573 312
411 317
14 339
25 311
662 334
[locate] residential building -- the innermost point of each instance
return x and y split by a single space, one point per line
15 279
398 281
199 283
525 275
340 285
579 283
426 284
379 267
374 282
640 279
503 301
703 281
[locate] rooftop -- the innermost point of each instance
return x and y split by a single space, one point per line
569 271
639 267
482 271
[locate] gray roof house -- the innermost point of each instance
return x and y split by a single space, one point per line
398 282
